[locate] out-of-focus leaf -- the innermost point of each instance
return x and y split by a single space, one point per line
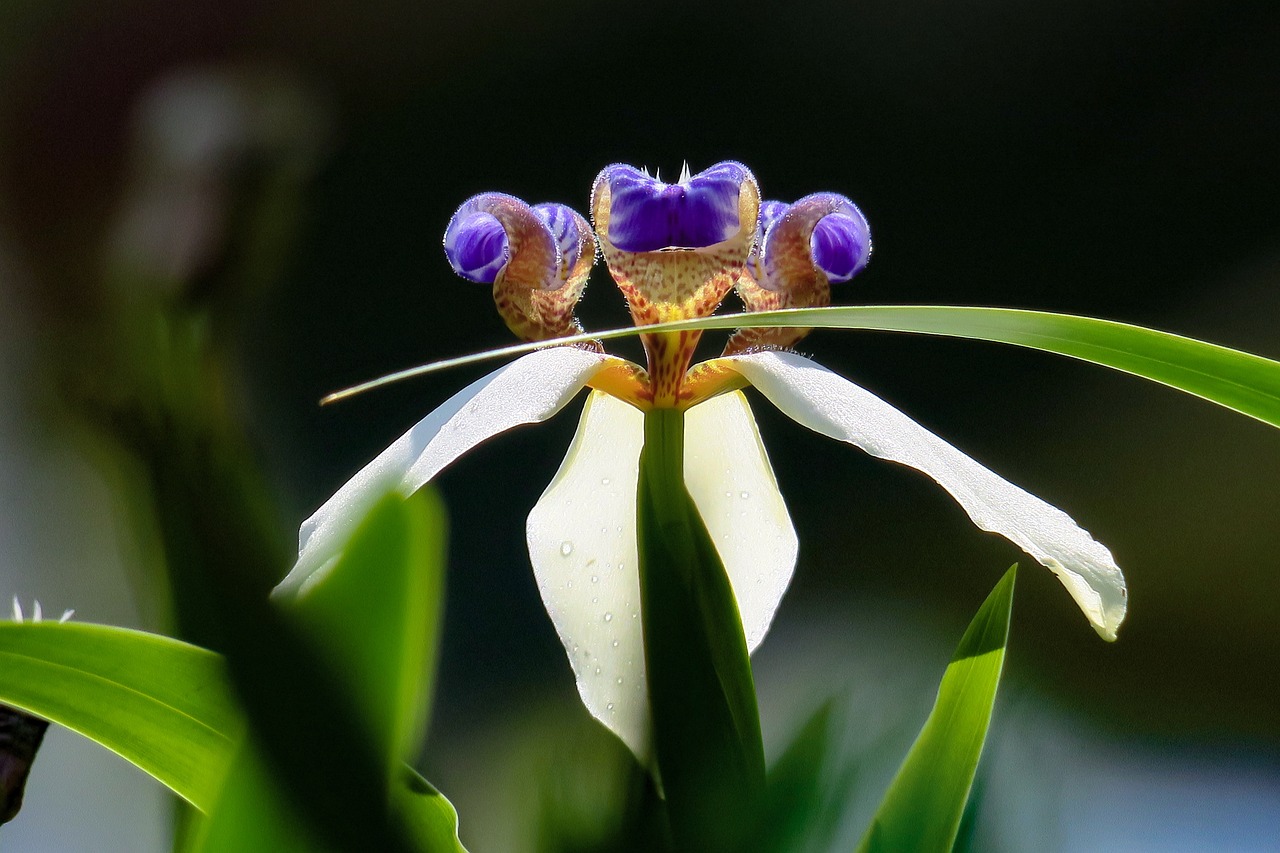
376 615
706 728
925 802
431 818
1247 383
251 816
805 798
159 703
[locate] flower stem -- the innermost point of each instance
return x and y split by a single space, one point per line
706 727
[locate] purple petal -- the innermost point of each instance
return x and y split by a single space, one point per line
647 215
475 243
770 212
562 221
841 245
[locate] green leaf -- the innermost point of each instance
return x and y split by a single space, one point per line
706 728
1246 383
805 797
430 817
377 615
374 617
925 802
159 703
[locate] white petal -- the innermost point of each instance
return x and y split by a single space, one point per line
582 543
732 484
529 390
826 403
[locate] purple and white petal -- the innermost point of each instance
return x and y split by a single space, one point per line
841 246
475 242
839 243
567 228
647 215
529 390
827 403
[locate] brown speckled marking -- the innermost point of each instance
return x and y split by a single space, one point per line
536 291
675 284
787 278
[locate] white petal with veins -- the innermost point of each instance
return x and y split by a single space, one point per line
827 403
582 543
529 390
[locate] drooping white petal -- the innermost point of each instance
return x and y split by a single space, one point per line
529 390
582 543
731 482
827 403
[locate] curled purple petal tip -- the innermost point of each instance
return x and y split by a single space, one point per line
841 245
475 244
647 215
562 221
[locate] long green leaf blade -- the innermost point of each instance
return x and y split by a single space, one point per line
706 727
925 802
159 703
1246 383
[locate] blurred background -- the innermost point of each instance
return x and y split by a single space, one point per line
288 168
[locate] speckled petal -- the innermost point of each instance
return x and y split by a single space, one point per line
820 239
529 390
829 404
537 259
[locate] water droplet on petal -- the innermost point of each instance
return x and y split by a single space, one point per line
609 706
566 548
568 584
744 495
595 600
605 481
597 670
595 579
619 679
615 644
608 617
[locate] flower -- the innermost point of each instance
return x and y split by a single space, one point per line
675 251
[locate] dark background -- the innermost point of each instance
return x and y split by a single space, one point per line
1113 159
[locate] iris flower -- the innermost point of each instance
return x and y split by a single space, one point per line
676 251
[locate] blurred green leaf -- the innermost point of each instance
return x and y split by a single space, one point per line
925 802
377 614
1249 384
706 727
375 617
805 799
431 818
159 703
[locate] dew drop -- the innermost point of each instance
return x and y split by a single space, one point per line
615 644
595 600
744 495
566 548
619 679
568 584
609 706
595 579
597 670
605 481
608 617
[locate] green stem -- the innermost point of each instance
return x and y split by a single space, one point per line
706 727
